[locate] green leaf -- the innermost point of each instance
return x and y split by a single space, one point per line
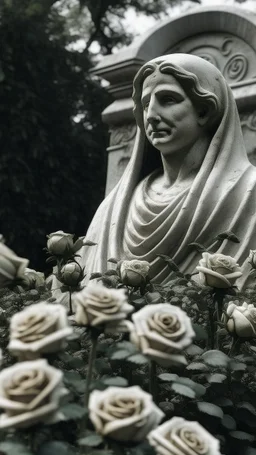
169 377
194 350
73 411
229 235
102 366
241 436
55 447
116 381
247 414
72 376
210 409
166 406
197 366
216 378
199 389
200 332
14 448
130 347
120 354
237 366
215 358
113 260
93 440
228 422
198 247
74 379
170 262
248 359
138 359
89 243
224 402
183 390
140 301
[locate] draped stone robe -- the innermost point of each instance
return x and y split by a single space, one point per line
222 197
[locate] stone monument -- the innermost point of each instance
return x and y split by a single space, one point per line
223 35
188 179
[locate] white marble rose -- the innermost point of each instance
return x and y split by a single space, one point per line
30 392
123 414
38 329
241 320
182 437
97 306
162 332
218 270
12 267
134 272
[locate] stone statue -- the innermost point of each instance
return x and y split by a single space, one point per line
188 179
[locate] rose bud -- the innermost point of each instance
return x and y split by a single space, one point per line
133 273
240 320
71 274
59 243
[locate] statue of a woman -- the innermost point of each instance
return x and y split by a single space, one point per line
188 179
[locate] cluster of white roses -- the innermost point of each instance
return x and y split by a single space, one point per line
31 390
160 331
220 271
130 415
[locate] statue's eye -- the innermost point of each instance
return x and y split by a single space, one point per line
167 99
145 105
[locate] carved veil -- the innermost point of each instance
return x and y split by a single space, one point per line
222 197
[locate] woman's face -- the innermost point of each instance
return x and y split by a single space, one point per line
171 121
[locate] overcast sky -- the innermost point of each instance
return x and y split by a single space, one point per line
139 24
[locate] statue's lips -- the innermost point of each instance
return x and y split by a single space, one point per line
158 134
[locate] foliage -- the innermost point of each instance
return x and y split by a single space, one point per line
215 388
103 19
51 136
53 142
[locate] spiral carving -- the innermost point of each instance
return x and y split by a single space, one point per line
236 68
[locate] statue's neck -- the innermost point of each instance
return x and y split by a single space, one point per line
176 168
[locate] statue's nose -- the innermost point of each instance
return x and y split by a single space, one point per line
153 116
